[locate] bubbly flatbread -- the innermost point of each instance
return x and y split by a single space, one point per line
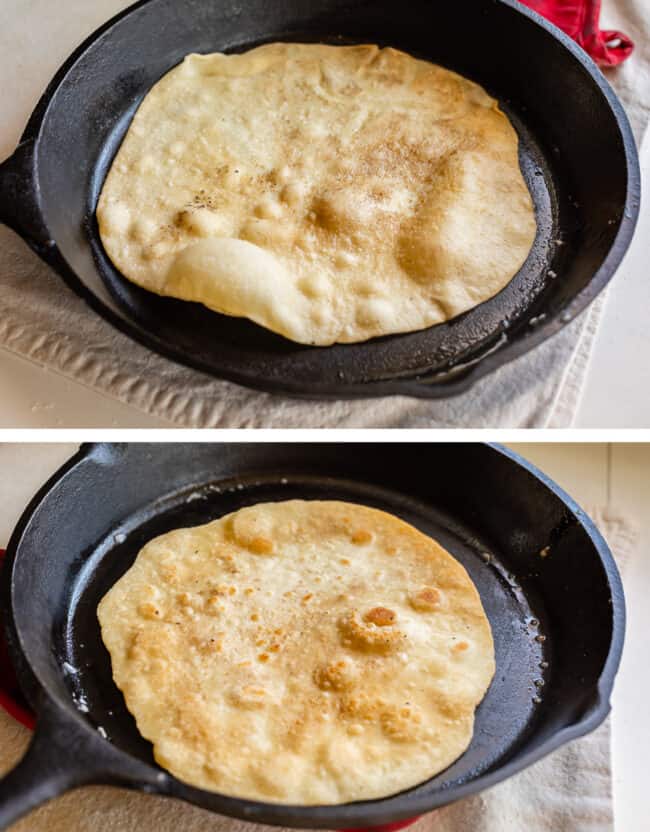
329 193
300 652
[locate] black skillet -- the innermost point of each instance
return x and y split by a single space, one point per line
546 578
577 155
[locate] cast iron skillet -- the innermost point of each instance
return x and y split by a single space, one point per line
577 155
546 578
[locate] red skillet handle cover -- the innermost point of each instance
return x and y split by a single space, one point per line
580 20
11 699
386 827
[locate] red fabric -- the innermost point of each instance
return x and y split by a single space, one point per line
386 827
11 699
579 19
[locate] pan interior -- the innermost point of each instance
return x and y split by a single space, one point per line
518 620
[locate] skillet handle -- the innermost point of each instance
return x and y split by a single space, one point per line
54 762
19 197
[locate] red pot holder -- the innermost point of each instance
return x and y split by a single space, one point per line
580 20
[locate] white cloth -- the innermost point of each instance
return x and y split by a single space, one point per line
568 791
43 320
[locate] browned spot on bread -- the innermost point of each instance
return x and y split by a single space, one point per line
221 589
249 697
361 536
208 646
453 708
336 675
148 644
148 610
361 706
426 599
261 546
401 724
213 606
252 532
368 637
380 617
169 573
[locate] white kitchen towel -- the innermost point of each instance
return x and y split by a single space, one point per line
568 791
44 321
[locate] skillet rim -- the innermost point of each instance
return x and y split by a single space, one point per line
438 385
147 777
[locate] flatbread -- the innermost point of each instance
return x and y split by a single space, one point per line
329 193
300 652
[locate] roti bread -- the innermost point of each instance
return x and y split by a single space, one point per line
302 652
328 193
